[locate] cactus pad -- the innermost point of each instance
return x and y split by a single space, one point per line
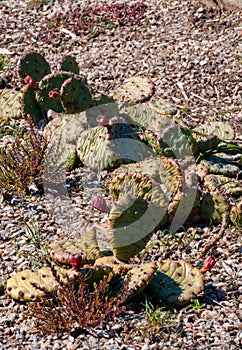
51 82
86 247
223 183
75 95
223 131
218 165
30 105
212 207
132 221
35 65
10 106
163 107
118 268
20 286
177 282
139 277
69 64
136 89
236 213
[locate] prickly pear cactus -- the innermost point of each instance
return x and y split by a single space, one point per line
87 247
30 105
223 131
75 95
51 82
132 221
236 213
136 89
139 277
226 185
118 267
10 105
177 282
34 65
20 286
213 206
104 147
219 165
69 64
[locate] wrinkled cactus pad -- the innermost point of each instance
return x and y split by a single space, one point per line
223 131
236 213
20 286
132 221
213 206
87 247
34 65
224 184
136 89
177 282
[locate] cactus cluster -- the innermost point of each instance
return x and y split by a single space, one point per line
147 157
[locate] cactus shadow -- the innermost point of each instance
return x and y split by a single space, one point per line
213 295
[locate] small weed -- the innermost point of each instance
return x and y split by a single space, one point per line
3 62
197 305
40 251
158 322
21 162
185 111
158 316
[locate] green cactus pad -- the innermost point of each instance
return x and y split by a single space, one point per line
51 82
236 213
177 282
69 64
118 268
104 148
94 149
62 134
224 184
10 105
132 220
143 116
136 89
35 65
131 183
20 286
30 105
86 246
222 130
139 277
163 107
75 95
212 207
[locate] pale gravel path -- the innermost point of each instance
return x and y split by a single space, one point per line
189 54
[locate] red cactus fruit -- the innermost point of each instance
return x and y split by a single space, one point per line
54 94
76 261
102 120
30 82
98 202
208 263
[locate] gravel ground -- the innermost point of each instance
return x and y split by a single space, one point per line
192 56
